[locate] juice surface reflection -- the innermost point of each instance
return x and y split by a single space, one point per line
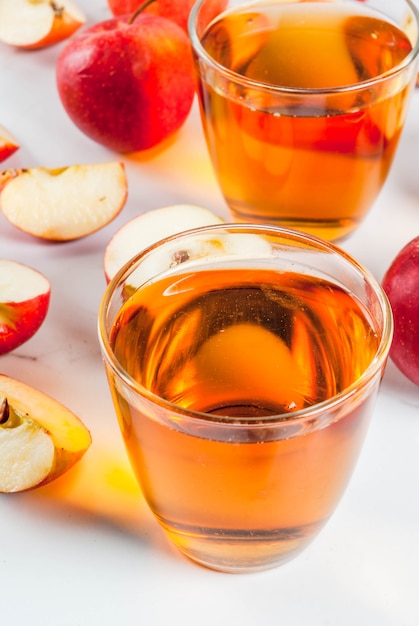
310 162
247 344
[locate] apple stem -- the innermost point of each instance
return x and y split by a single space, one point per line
58 10
139 10
4 411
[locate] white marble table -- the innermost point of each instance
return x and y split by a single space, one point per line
93 555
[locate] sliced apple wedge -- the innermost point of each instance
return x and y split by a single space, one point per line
65 203
150 227
8 144
40 439
33 24
24 303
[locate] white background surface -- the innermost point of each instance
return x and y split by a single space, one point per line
95 556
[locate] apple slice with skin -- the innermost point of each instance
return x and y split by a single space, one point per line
148 228
40 439
24 303
31 25
8 144
64 203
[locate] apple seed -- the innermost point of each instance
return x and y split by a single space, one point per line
8 417
4 411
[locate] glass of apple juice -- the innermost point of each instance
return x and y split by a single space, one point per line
303 103
244 363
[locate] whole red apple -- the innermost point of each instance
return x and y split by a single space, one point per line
401 283
128 84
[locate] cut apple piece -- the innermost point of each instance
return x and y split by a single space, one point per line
8 144
36 24
150 227
40 439
66 203
24 303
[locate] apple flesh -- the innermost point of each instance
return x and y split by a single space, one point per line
8 144
148 228
40 439
24 303
401 284
128 86
65 203
31 25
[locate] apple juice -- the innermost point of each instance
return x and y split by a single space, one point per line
301 160
241 346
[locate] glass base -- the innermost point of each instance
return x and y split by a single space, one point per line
329 230
242 551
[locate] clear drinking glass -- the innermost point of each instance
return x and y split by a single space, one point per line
244 363
303 103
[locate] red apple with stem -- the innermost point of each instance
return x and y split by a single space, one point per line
175 10
24 303
128 7
128 83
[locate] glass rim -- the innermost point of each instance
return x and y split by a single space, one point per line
283 89
293 417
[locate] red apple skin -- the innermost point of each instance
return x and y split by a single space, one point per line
401 284
8 144
128 7
19 321
127 86
6 150
176 10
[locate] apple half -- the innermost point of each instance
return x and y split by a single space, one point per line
148 228
33 24
8 144
65 203
40 439
24 303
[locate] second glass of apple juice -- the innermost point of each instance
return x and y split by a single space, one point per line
303 103
244 363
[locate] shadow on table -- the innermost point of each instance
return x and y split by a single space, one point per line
99 488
